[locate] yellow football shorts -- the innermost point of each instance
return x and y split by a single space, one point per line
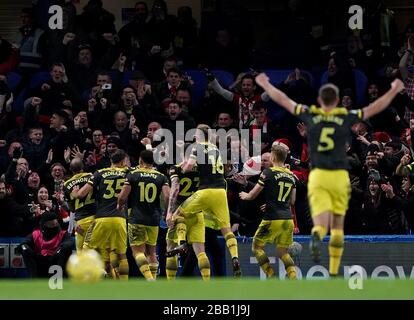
139 234
278 232
212 201
82 227
329 190
196 229
107 233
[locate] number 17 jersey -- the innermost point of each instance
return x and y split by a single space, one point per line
328 133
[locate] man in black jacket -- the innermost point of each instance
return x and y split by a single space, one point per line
46 247
12 214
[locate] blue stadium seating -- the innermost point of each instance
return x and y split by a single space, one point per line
277 76
200 82
39 78
13 80
361 84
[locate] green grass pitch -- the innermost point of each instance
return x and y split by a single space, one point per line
195 289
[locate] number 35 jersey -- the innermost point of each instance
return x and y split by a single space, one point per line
145 197
328 134
107 184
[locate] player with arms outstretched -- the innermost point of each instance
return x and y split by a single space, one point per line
329 185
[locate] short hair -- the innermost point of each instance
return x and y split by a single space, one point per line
175 70
180 105
184 89
35 127
147 157
58 164
103 73
329 93
76 165
395 145
56 64
279 153
248 77
118 156
258 105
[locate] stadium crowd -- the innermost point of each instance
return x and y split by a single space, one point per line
106 90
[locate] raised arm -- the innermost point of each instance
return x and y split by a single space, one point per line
190 163
403 66
226 94
384 101
275 94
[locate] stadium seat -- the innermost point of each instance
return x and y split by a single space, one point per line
361 84
225 78
39 78
200 82
13 80
277 76
18 104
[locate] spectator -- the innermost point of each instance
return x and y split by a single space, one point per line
243 102
32 43
405 201
224 121
137 40
169 87
261 125
95 20
379 215
185 40
9 56
46 247
340 73
35 147
184 96
12 214
54 94
175 115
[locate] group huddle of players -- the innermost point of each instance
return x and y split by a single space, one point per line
119 202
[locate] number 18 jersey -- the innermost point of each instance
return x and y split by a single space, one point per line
328 134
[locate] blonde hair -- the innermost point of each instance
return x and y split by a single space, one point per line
279 153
